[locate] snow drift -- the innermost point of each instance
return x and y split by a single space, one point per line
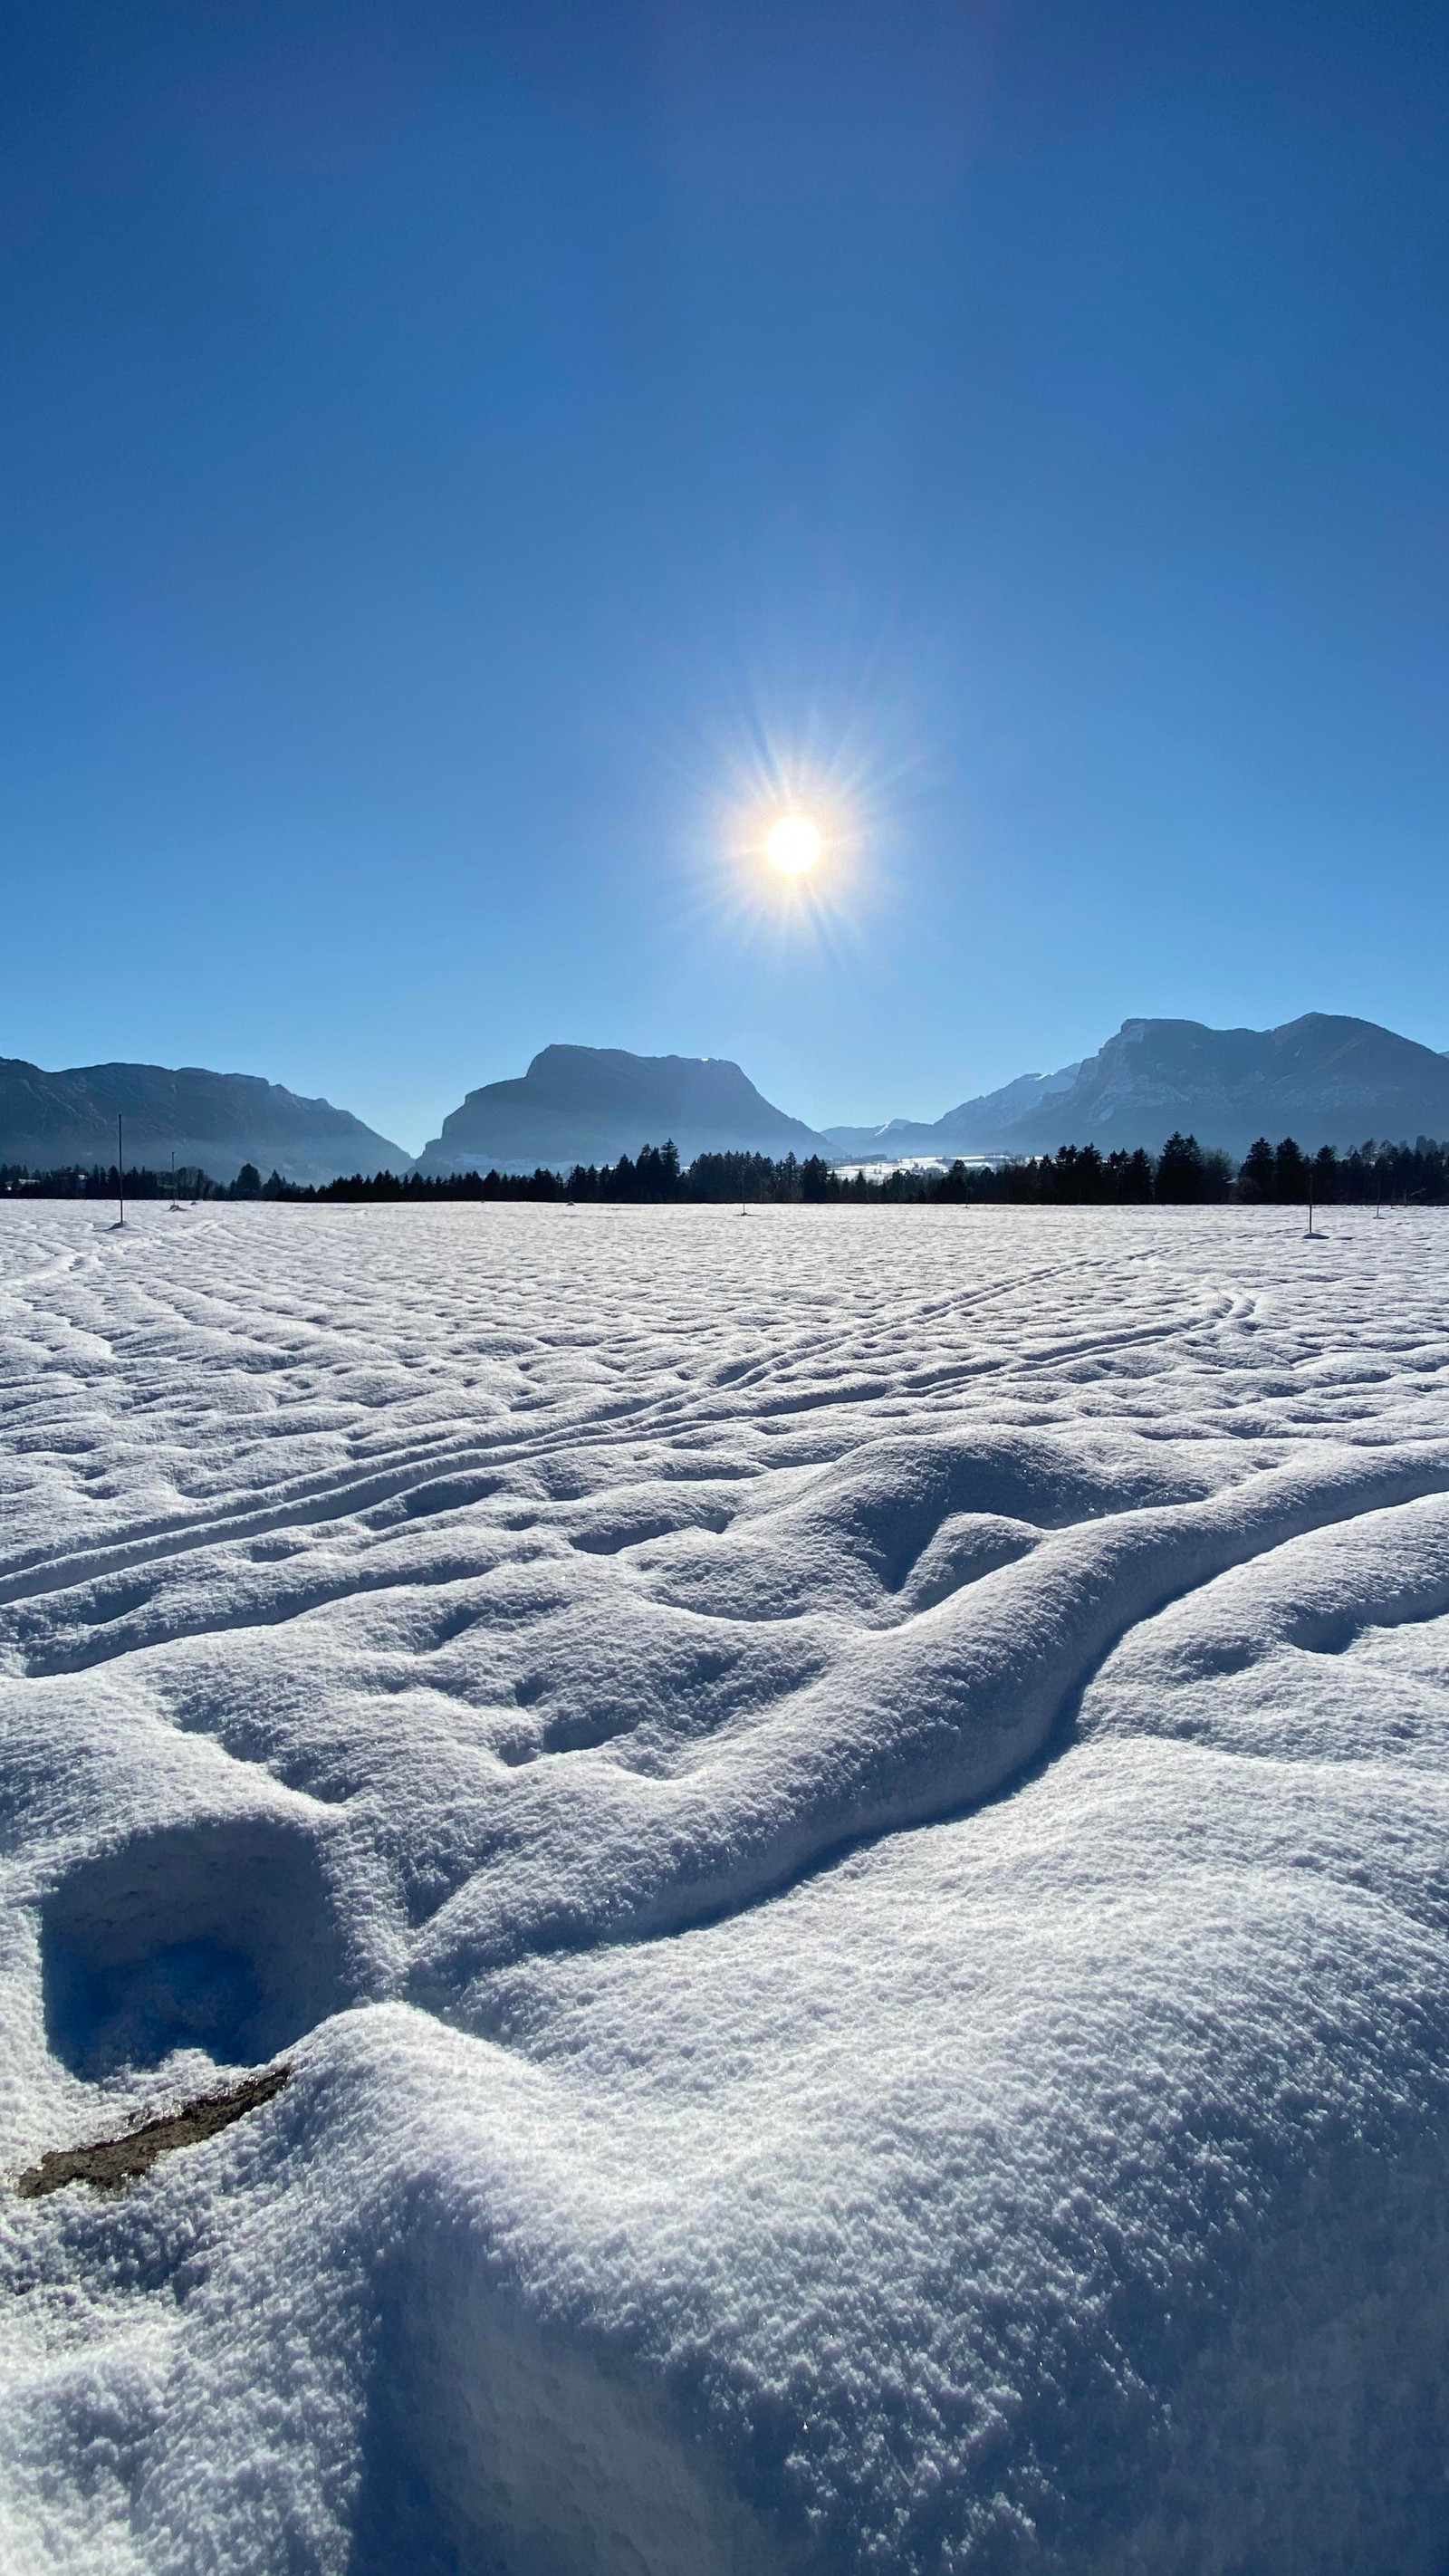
841 1822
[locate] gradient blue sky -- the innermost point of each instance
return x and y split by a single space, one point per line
458 462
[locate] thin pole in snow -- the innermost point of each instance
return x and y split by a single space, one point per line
121 1166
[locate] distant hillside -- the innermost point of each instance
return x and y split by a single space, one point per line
592 1104
1323 1079
903 1136
216 1120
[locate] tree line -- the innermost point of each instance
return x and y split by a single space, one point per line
1184 1173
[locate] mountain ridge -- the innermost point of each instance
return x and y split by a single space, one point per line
592 1104
1326 1078
216 1121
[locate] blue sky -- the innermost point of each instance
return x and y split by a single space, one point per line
463 466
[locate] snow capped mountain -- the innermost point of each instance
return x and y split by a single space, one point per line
1012 1104
581 1104
1325 1079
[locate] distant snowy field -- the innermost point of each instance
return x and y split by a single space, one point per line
842 1817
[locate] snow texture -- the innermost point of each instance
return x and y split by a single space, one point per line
841 1817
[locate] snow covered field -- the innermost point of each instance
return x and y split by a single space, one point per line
841 1816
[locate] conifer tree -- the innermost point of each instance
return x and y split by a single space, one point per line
1180 1169
1258 1177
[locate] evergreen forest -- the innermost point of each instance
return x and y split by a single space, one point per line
1184 1173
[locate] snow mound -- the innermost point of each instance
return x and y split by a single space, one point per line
843 1833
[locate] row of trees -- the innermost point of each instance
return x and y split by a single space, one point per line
1184 1173
1368 1175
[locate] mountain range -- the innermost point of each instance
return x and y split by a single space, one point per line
217 1121
1325 1079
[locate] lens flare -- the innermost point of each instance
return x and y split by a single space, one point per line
793 844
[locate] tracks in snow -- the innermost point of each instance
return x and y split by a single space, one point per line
914 1717
912 1726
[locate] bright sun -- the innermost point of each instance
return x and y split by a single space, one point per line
793 845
